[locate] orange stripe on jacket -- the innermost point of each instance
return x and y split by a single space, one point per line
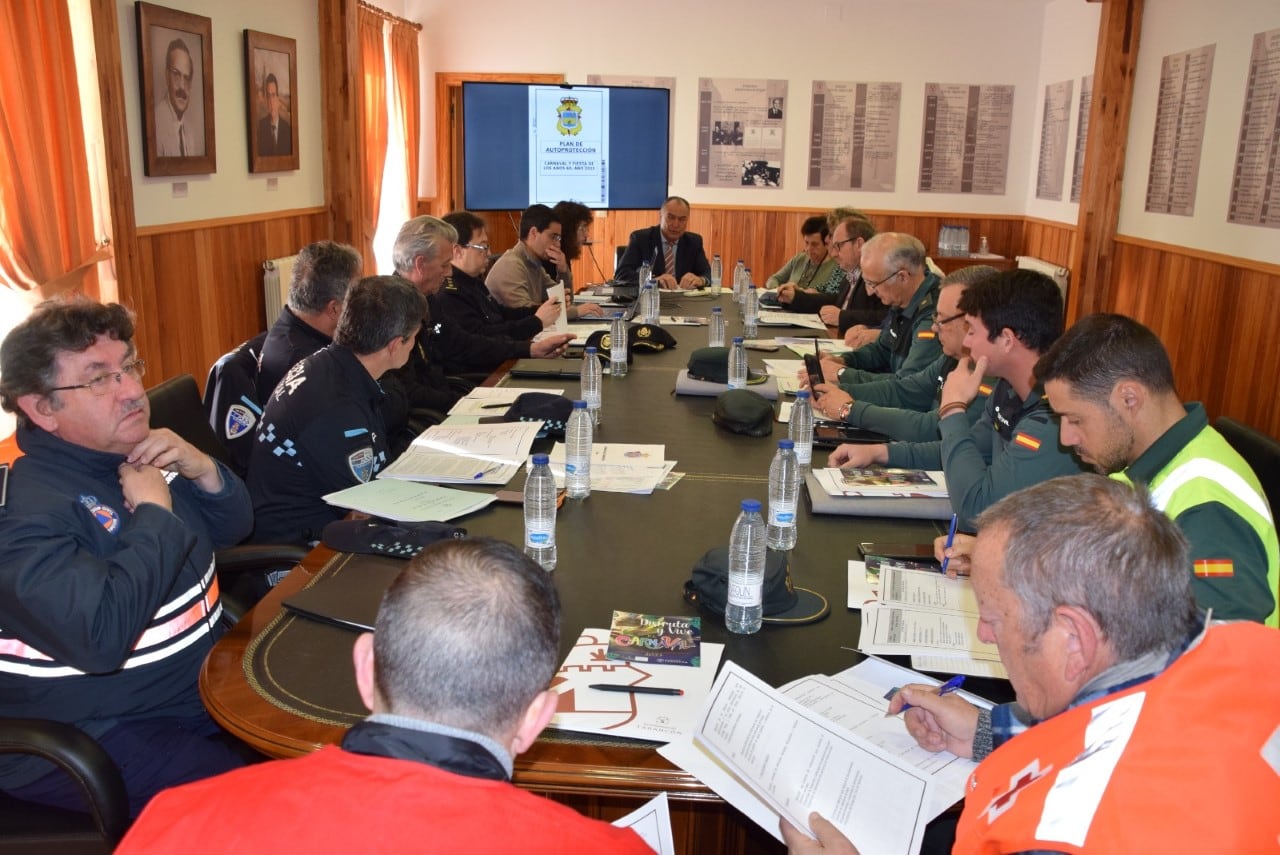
1217 568
1026 441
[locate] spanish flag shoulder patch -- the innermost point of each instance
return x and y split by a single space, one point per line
926 334
984 389
1026 441
1214 568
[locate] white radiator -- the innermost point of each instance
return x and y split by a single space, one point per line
276 276
1060 275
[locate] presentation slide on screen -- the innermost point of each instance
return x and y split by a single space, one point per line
569 145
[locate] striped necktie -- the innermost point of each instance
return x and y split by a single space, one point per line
669 259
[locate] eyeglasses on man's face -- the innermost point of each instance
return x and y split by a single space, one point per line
102 384
177 75
483 247
942 322
873 285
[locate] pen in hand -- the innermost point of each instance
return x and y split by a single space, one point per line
945 689
951 538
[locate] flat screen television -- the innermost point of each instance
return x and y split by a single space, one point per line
602 146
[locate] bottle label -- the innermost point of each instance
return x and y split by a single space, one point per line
572 467
537 538
804 453
782 513
745 593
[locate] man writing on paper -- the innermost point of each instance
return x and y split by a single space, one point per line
518 278
1137 727
456 675
322 429
108 598
1012 318
677 256
905 406
892 267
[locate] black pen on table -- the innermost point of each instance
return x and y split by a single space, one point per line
496 406
635 690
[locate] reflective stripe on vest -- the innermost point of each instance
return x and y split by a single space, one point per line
1212 470
155 643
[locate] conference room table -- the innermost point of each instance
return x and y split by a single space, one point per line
284 684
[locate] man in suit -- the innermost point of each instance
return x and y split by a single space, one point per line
676 254
179 133
275 136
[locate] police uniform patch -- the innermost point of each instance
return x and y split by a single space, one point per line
240 420
360 462
106 515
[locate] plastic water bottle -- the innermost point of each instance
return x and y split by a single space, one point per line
800 430
644 274
618 346
738 364
784 490
750 313
540 514
649 303
738 270
715 329
577 452
590 377
743 610
748 290
717 275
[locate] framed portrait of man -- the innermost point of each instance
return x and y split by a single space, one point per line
271 74
175 70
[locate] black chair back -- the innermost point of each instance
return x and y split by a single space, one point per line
176 405
1260 451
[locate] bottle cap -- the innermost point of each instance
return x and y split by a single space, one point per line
786 444
540 460
717 310
579 405
802 393
737 339
591 351
617 316
751 506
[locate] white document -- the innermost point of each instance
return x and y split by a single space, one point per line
682 321
581 332
556 292
797 762
802 346
859 706
492 400
466 454
864 590
782 318
960 665
619 467
784 412
661 718
905 631
652 821
787 371
408 501
927 589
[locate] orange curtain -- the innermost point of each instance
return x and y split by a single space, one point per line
404 67
46 211
373 127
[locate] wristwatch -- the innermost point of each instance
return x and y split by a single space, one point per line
845 410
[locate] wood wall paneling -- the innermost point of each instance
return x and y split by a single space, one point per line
202 285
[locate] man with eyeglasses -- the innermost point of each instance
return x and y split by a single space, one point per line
518 278
1013 318
905 406
178 132
108 598
467 301
892 266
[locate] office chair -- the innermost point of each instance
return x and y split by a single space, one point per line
1260 451
26 827
231 401
242 569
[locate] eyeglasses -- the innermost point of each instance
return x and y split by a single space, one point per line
101 384
178 75
483 247
871 286
836 244
556 237
942 322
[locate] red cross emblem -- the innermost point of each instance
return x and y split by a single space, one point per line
1003 802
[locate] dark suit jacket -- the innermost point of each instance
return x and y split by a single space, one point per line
646 245
283 143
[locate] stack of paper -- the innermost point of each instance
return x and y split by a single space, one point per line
405 501
781 318
466 454
787 372
843 757
619 467
492 400
881 482
922 614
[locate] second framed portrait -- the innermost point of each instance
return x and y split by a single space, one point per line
271 77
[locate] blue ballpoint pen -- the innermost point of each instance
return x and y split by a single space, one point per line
951 537
947 688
